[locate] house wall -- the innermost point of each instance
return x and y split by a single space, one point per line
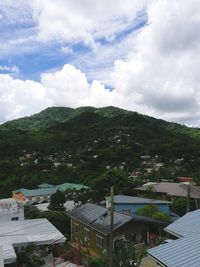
135 232
12 214
133 207
90 245
19 196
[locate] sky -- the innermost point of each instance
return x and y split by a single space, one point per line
141 55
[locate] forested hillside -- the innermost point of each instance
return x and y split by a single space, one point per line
80 145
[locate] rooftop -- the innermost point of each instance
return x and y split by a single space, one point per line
184 251
66 186
172 189
98 217
48 189
35 231
36 192
122 199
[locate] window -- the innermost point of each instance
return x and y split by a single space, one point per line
99 241
86 234
14 218
75 228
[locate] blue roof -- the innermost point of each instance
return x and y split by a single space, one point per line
183 252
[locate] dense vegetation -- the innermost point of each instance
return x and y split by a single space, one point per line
81 145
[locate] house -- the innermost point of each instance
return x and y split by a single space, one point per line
33 195
90 226
66 186
131 204
168 190
10 210
184 251
43 192
17 234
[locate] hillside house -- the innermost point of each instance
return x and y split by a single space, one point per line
33 195
90 226
17 234
43 192
184 250
10 210
169 190
131 204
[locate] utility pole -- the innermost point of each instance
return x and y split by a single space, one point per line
188 198
111 224
1 257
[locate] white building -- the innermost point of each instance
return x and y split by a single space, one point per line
17 234
10 210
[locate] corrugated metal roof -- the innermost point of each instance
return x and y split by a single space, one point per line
122 199
98 217
48 189
45 185
66 186
186 225
36 192
185 251
172 189
35 231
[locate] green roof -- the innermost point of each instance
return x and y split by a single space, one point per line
65 186
45 185
36 192
48 189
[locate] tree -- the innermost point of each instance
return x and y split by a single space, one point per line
57 201
102 184
179 205
152 211
28 258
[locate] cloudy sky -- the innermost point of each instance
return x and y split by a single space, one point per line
141 55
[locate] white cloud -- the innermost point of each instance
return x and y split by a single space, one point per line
9 69
158 73
75 21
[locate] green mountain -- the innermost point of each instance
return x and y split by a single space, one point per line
63 144
54 115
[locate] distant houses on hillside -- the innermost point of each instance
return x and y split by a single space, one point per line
43 192
169 190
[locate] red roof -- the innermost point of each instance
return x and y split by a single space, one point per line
185 179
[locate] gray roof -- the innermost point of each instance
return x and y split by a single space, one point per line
122 199
18 233
185 226
184 251
98 217
172 189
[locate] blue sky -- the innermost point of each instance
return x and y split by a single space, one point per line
139 55
39 57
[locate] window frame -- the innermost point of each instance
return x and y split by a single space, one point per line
98 237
